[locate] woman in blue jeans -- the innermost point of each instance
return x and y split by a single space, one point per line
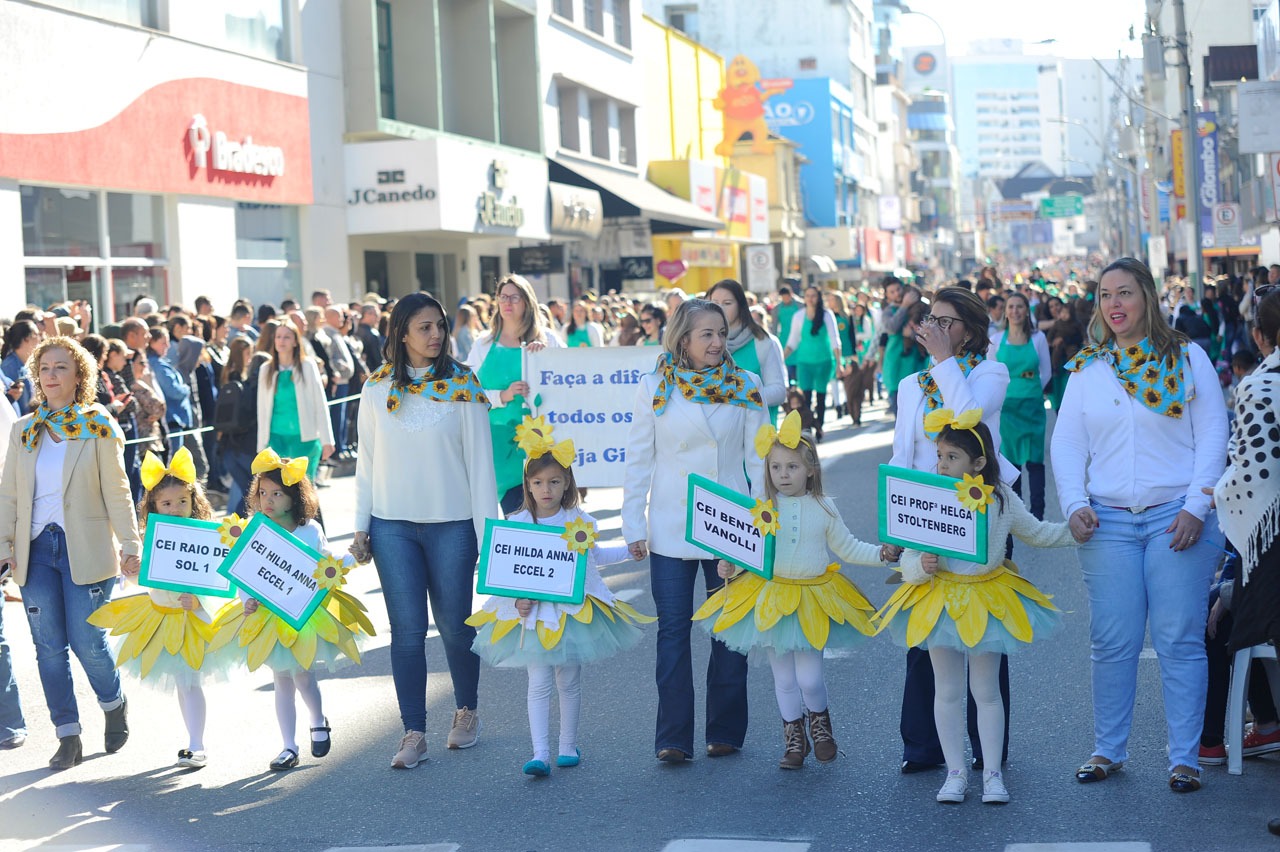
697 413
424 486
67 528
1141 433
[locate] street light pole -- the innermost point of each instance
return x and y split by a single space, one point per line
1195 247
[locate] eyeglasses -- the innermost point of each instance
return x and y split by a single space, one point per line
511 298
943 323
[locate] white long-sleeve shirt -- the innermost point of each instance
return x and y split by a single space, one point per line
427 462
480 351
1108 446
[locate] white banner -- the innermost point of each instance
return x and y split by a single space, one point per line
588 395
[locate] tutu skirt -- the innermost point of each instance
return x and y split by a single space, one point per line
595 632
999 612
785 614
331 636
167 648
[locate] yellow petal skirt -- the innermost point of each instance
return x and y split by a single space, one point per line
997 612
331 634
166 647
785 614
594 631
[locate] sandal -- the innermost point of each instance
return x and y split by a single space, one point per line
1090 772
286 759
319 748
1184 782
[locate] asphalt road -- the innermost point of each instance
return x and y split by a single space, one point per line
620 798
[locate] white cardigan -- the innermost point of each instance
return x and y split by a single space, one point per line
313 408
773 370
663 451
480 350
984 388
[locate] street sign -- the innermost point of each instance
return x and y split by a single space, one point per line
1061 206
1226 225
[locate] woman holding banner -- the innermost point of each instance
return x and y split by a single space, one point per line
754 349
497 358
424 486
68 457
696 413
961 378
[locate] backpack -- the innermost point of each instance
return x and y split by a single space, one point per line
226 417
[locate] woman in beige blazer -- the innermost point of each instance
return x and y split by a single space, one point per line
67 528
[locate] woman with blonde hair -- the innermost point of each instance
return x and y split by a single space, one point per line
498 361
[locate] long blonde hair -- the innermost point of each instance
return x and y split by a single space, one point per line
532 328
1166 341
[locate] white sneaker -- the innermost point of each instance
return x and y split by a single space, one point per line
993 790
954 788
188 759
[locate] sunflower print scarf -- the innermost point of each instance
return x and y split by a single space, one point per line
714 386
462 386
1158 385
73 423
933 395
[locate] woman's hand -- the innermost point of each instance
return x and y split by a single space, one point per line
726 569
890 552
524 606
1186 531
251 606
129 566
534 346
1215 615
520 388
1083 523
639 549
360 548
326 451
936 342
188 601
929 563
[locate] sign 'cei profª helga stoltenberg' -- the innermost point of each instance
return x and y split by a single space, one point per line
925 511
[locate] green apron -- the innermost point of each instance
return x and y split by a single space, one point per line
1022 419
785 313
815 362
578 338
286 436
867 350
501 367
847 351
747 358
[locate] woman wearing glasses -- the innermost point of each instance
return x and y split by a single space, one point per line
498 361
653 323
961 378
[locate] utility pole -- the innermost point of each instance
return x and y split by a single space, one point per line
1195 247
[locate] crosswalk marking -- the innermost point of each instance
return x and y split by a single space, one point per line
717 844
1104 846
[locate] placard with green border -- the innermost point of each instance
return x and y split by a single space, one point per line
723 521
276 567
922 511
532 561
183 555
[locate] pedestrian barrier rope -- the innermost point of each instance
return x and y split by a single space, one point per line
203 429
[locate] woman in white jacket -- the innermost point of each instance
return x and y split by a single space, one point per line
753 348
293 414
696 413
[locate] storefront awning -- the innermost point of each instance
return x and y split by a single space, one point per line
821 264
625 195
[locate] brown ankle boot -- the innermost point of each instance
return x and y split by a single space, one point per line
824 744
796 742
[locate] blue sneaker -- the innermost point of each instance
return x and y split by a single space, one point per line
574 759
537 768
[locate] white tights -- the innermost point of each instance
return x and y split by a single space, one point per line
286 712
191 703
949 703
568 681
798 683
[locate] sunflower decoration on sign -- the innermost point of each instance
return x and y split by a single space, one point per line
765 517
974 494
330 573
580 534
230 529
534 436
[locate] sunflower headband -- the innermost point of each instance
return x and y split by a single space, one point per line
935 421
182 468
292 471
534 436
788 436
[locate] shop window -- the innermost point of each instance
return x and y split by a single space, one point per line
135 225
129 284
386 66
60 222
140 13
258 28
267 252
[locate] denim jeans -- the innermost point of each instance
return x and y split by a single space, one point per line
338 416
672 580
239 464
12 723
417 563
1133 578
57 609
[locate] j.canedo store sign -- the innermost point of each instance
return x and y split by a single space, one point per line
391 189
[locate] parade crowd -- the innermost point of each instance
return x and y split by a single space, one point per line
1163 448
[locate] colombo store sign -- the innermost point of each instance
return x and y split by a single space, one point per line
190 136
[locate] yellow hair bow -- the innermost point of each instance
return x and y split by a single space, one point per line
292 471
153 470
534 437
788 436
935 421
563 452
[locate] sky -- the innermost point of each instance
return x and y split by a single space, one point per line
1083 28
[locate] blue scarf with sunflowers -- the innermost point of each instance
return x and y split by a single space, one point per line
933 395
1161 385
717 385
74 423
462 386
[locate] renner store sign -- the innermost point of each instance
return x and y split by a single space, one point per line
445 185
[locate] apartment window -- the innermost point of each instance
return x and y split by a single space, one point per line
386 68
259 28
567 98
140 13
593 15
627 135
622 22
808 63
684 18
600 128
564 8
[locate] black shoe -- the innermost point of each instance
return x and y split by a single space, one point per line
910 767
978 765
117 726
1273 826
69 753
319 748
286 759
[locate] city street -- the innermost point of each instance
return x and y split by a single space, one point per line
620 797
